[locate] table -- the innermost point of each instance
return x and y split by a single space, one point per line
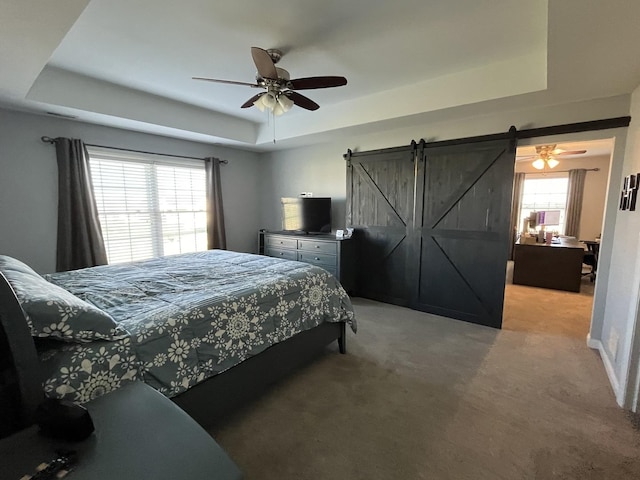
548 266
139 434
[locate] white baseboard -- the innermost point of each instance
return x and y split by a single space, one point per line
608 367
594 344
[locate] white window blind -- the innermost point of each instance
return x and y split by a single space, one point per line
149 207
545 193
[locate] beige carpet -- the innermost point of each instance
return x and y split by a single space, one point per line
554 312
424 397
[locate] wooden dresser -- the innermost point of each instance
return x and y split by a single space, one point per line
337 256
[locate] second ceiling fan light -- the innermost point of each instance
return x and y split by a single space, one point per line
545 156
540 162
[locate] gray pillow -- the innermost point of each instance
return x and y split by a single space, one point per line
54 312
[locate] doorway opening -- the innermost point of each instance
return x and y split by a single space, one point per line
552 297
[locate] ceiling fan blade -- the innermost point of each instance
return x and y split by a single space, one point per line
309 83
302 101
230 82
249 103
264 64
569 152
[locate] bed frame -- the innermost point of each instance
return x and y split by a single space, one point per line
208 403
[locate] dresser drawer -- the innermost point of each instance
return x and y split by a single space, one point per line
329 248
281 253
320 259
281 242
337 256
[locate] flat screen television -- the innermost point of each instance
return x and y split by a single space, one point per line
306 214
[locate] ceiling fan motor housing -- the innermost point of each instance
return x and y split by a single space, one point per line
282 75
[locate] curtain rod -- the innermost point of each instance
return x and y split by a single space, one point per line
559 171
53 140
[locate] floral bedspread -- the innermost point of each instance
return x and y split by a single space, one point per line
189 317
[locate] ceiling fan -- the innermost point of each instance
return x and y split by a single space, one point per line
546 156
280 91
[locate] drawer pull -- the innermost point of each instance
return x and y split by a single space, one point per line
317 246
317 258
281 253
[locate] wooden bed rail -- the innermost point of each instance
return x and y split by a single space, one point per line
20 387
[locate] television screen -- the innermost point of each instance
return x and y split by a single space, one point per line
306 214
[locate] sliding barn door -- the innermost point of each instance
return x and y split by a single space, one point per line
462 229
380 205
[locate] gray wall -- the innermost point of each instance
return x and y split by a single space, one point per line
321 168
623 295
28 182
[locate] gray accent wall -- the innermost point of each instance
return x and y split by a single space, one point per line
319 170
28 182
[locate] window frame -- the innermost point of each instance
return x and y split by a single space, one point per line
537 177
157 228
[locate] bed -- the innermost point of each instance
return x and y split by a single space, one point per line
207 329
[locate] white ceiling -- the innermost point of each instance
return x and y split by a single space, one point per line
129 63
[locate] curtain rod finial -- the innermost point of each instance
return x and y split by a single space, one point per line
48 139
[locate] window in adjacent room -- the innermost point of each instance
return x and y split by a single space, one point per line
149 206
545 193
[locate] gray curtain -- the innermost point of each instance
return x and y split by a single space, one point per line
574 201
216 235
80 242
516 205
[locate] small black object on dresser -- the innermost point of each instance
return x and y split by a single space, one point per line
336 255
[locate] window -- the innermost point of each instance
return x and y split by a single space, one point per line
546 193
149 207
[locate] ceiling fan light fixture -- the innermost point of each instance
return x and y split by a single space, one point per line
552 162
285 102
268 100
538 164
259 105
278 110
